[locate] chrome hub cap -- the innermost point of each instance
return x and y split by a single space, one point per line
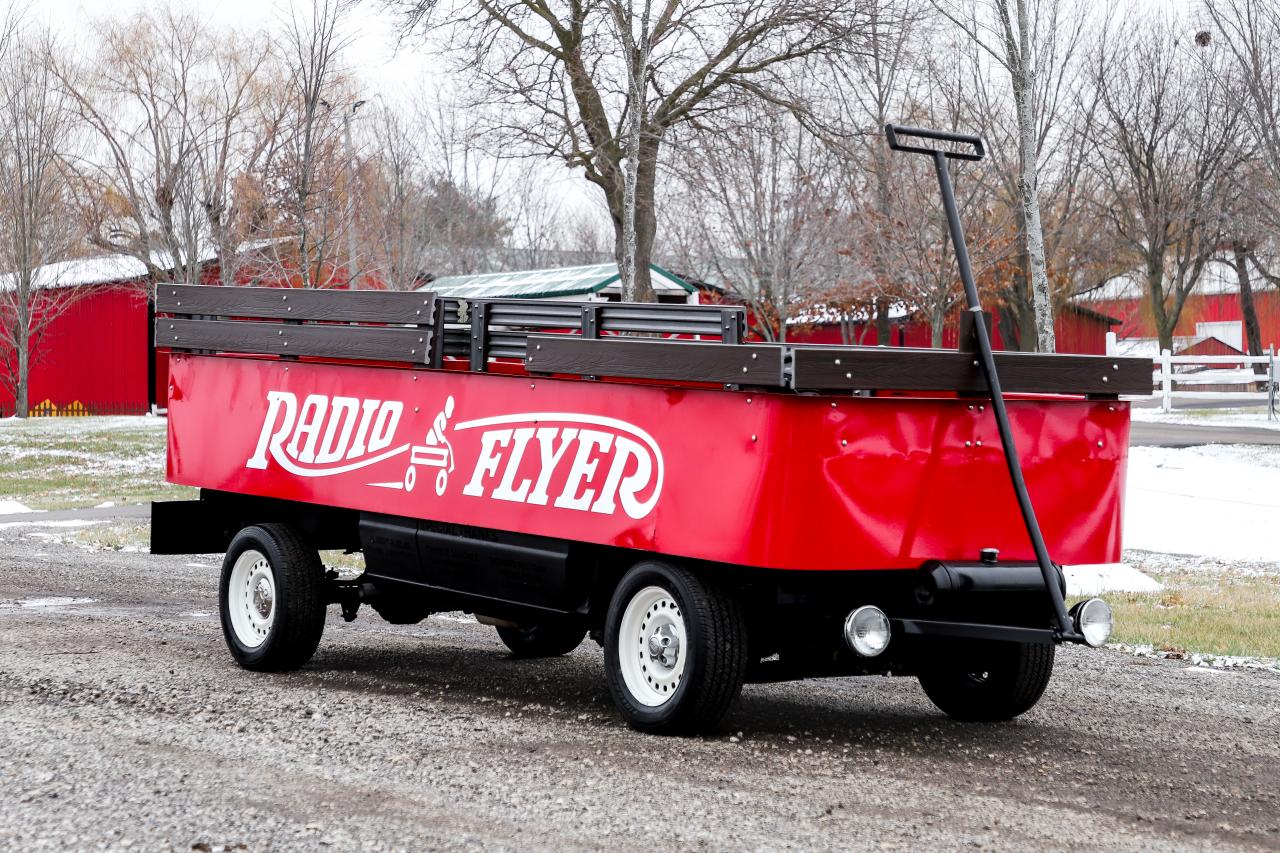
652 640
251 598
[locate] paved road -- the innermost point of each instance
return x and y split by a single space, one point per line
123 725
1182 435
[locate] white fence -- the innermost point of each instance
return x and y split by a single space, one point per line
1165 378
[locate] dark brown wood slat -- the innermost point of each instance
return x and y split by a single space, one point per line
885 368
688 361
280 303
369 343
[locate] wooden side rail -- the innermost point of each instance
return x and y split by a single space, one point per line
846 368
320 323
886 368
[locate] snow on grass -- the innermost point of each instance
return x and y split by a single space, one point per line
52 463
1225 417
1220 501
66 522
12 507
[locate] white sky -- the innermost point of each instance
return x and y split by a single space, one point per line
374 56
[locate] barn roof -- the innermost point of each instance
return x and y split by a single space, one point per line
103 269
549 283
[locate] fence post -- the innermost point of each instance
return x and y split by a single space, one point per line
1111 343
1166 380
1271 383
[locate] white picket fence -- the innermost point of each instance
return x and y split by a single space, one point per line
1165 379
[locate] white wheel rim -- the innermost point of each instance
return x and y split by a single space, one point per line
652 646
251 598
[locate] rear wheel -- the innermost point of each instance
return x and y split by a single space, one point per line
988 681
675 650
271 598
545 640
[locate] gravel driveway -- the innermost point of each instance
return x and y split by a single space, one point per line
124 725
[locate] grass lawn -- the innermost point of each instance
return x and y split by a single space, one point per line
1223 613
59 463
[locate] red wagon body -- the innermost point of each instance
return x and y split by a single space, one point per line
710 511
768 480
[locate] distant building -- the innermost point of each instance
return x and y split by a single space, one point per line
1213 310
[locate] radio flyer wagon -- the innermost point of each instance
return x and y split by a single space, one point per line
710 511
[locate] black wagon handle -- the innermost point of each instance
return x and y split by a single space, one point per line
896 133
1066 628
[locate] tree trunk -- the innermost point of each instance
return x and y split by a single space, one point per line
1252 331
646 222
937 321
22 388
1155 290
1023 81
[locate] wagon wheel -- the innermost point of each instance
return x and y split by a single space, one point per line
675 650
986 681
271 598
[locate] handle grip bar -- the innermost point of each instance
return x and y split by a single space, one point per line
894 132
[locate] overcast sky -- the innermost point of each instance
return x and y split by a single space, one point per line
373 56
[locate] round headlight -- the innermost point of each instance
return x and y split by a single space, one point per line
1093 621
866 630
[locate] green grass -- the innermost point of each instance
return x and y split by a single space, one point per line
1214 613
59 463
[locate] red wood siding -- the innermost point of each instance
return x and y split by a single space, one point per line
1136 319
94 354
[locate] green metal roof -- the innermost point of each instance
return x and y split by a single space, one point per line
546 284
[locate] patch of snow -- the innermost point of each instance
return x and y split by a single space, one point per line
51 601
68 522
1215 501
1226 417
11 507
1197 660
105 505
1108 577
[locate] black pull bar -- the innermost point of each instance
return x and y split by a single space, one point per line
895 133
1066 630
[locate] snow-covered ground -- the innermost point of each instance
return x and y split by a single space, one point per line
1251 417
1218 501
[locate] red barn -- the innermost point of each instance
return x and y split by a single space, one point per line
94 357
1213 310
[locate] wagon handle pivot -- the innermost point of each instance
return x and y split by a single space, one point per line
895 135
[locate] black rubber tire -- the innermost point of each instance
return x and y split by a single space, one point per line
717 652
547 640
300 599
1016 675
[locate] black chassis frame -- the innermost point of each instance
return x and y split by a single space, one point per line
795 617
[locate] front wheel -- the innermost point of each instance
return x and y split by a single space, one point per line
988 681
271 599
675 650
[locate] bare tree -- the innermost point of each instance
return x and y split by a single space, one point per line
313 159
1251 31
37 132
872 92
1168 148
1033 42
183 126
560 79
769 220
